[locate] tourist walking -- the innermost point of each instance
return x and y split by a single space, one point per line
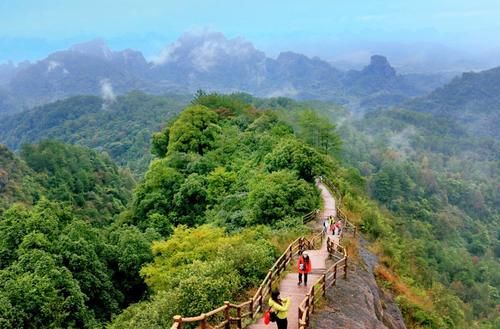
280 306
303 267
336 229
325 225
332 223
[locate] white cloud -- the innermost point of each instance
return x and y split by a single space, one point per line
204 49
402 141
52 65
167 55
107 93
283 92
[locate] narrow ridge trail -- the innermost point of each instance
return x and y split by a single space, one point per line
288 286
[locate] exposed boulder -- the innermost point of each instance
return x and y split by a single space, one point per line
358 302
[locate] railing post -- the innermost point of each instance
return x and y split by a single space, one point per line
178 319
226 315
312 299
238 314
203 324
335 275
345 268
300 315
251 307
270 282
289 258
324 285
261 302
308 309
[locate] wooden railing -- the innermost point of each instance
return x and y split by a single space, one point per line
229 313
333 189
338 254
328 279
347 225
310 216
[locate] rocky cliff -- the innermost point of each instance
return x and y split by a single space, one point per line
358 302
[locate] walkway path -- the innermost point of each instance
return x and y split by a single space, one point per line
288 286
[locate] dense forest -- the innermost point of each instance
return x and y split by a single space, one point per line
60 263
70 241
92 248
121 128
439 183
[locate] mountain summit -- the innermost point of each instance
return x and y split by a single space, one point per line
97 48
379 66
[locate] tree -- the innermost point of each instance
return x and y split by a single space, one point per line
275 196
194 130
130 250
40 294
319 132
198 276
84 253
293 155
156 193
190 201
159 143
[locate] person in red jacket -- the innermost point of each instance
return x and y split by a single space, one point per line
303 267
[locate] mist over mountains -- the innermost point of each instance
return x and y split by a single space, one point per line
208 61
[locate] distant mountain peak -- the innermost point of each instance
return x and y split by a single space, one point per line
96 48
290 55
379 65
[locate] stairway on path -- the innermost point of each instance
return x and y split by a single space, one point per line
288 286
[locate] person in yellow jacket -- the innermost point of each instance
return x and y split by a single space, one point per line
280 306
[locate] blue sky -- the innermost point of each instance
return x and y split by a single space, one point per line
339 30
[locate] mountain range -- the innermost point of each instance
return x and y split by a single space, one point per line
208 61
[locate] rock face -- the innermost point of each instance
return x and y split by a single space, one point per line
358 303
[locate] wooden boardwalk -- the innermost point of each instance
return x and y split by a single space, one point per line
288 286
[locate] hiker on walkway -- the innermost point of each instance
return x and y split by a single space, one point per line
338 228
303 267
332 223
325 225
280 306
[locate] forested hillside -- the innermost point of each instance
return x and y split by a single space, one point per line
473 100
237 173
61 263
438 188
17 183
121 128
439 184
224 173
436 232
226 164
